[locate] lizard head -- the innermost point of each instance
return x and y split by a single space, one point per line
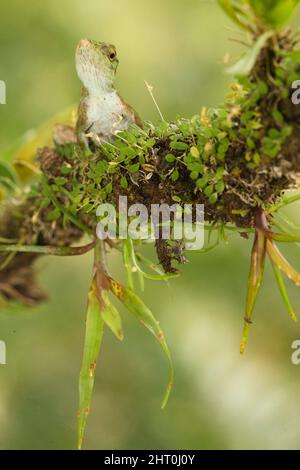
96 63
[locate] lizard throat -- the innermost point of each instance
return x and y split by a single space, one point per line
96 85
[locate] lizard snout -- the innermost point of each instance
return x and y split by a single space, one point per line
84 43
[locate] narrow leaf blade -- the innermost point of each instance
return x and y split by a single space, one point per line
285 238
229 9
92 344
128 262
258 256
112 317
137 307
284 293
153 277
274 13
278 259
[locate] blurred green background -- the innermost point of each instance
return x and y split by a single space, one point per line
220 400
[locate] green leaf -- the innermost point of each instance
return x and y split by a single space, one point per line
194 175
204 250
59 180
65 169
7 171
127 257
53 215
8 176
274 13
111 316
278 260
202 182
134 168
175 175
195 152
258 256
262 88
153 277
124 182
228 7
213 198
137 307
286 238
170 158
209 190
247 62
220 186
178 145
151 265
92 344
283 292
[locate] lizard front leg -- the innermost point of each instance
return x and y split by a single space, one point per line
81 126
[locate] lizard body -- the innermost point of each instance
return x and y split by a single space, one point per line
102 111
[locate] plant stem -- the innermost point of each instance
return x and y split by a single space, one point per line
49 250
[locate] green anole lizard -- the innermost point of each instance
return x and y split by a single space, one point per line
102 112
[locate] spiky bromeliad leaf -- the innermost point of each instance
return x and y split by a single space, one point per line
286 237
283 292
137 307
92 344
258 257
233 9
278 259
273 13
266 13
111 316
128 263
9 181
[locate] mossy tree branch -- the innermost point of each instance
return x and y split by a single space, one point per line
237 160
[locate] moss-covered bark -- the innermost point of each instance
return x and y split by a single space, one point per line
233 159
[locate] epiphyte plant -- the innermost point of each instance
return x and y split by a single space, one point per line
238 160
